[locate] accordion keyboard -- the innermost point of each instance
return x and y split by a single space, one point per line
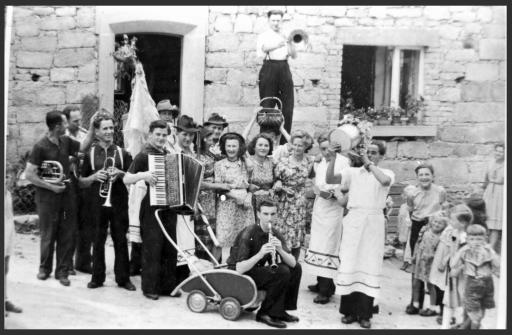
157 192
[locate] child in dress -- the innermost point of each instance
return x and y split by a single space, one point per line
423 257
476 261
404 226
452 238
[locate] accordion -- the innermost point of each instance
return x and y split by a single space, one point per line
178 184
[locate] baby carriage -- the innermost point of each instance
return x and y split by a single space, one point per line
225 288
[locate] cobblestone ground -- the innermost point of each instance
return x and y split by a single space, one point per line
47 304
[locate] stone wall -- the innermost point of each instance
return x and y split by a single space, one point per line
469 113
53 64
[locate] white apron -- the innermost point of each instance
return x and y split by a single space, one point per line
361 252
184 237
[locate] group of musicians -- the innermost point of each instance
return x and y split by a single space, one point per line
78 212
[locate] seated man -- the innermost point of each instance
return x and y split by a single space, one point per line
253 253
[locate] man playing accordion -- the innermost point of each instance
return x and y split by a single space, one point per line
158 256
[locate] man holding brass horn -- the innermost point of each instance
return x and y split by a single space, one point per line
102 174
275 78
55 196
255 253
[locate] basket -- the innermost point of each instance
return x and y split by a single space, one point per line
270 117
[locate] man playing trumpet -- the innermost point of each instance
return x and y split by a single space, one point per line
102 174
275 78
255 253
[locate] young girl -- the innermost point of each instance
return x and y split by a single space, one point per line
422 260
450 241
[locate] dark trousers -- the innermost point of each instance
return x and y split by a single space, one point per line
136 258
275 80
282 287
325 286
415 231
118 228
84 236
158 255
358 305
57 224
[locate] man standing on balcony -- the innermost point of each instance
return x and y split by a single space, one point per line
275 78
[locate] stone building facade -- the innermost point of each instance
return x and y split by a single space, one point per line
58 55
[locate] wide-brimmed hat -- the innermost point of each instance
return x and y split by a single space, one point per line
186 123
165 105
215 118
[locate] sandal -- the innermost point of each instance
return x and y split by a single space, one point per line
428 312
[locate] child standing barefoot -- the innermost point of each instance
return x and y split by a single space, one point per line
477 261
404 226
423 258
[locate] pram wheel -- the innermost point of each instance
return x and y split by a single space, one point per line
230 308
196 301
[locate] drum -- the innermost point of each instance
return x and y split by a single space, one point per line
347 135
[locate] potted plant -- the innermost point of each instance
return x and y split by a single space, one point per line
414 107
384 115
396 113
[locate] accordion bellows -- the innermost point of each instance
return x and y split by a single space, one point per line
179 181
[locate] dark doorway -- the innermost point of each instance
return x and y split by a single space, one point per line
357 75
160 56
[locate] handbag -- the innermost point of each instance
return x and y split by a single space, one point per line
270 117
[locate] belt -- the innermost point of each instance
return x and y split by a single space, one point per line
276 60
371 210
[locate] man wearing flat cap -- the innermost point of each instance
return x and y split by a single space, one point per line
216 124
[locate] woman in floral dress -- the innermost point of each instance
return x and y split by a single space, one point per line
291 174
261 168
207 196
235 212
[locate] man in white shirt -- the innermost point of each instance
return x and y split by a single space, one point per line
361 249
275 78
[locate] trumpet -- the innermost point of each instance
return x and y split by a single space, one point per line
298 37
273 264
106 186
52 172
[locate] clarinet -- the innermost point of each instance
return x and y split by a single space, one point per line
273 265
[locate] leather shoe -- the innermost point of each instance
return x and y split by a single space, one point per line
270 321
71 273
128 286
313 288
411 310
151 296
10 307
42 275
64 281
428 312
288 318
348 319
94 284
365 323
321 299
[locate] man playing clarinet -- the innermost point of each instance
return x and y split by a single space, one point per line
254 253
